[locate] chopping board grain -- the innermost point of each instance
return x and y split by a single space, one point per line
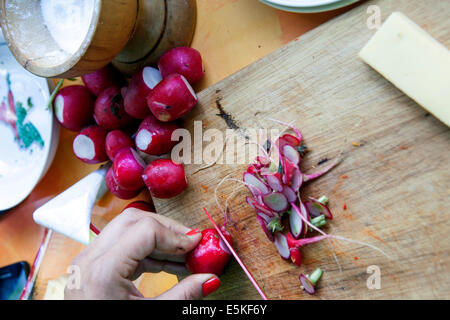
390 190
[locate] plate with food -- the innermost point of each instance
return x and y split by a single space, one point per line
28 131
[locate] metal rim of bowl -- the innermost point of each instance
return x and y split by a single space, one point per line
323 8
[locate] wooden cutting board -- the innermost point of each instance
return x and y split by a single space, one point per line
394 185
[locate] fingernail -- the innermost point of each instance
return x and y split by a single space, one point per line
193 232
210 286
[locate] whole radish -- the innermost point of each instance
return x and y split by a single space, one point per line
211 254
165 178
141 85
154 137
116 190
89 145
182 60
74 107
109 111
103 78
172 98
115 141
128 167
141 205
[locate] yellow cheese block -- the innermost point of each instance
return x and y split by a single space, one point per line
414 62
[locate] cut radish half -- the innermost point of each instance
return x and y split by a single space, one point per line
259 186
84 147
151 77
315 209
276 201
263 225
274 181
306 284
143 139
289 193
282 245
291 153
295 223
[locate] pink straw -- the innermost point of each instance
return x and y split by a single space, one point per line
249 275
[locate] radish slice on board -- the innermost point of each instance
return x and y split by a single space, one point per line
264 216
256 183
307 284
297 180
316 208
282 245
259 207
274 181
290 153
289 193
295 223
276 201
263 225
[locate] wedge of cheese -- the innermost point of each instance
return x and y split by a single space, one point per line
414 62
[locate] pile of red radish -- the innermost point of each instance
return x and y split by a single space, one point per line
118 121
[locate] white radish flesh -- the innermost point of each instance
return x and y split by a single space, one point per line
151 77
295 223
292 154
289 193
274 182
256 183
276 201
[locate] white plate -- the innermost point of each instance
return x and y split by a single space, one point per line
302 3
20 168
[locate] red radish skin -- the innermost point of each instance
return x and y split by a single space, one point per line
102 79
165 178
114 188
210 255
74 107
154 137
89 145
117 140
182 60
296 256
128 167
109 111
141 205
172 98
141 85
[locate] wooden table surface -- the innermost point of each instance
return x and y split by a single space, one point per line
230 34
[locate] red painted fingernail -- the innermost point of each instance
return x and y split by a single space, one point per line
193 231
210 286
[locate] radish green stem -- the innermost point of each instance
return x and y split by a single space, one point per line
315 276
318 221
323 200
54 93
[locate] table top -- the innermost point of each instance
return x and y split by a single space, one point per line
230 34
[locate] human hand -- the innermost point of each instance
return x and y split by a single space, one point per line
131 244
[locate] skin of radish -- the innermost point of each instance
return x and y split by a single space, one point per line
115 141
141 205
114 188
208 256
182 60
296 256
103 78
78 108
161 133
165 178
171 99
127 170
135 99
109 111
98 136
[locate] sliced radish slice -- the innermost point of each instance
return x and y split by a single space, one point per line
291 153
297 180
282 245
289 169
295 223
274 181
306 284
258 185
315 209
289 193
264 216
263 225
276 201
259 207
306 217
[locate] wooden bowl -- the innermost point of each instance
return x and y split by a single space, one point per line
111 26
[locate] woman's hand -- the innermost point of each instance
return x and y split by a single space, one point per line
133 243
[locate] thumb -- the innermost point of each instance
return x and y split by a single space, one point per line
194 287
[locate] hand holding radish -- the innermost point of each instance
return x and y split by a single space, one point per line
143 242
